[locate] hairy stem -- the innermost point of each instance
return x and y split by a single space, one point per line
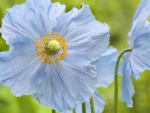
116 79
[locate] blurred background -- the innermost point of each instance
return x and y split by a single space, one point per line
118 15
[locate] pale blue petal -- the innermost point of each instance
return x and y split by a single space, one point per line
140 8
68 111
33 22
86 37
66 86
26 80
76 59
20 70
105 67
98 102
88 107
38 2
140 59
139 25
79 108
127 86
19 55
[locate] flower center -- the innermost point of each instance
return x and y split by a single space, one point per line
51 49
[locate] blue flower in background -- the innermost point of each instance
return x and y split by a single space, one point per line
51 52
139 59
105 68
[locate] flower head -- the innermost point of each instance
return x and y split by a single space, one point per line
138 60
51 52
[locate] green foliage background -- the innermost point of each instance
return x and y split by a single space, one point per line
118 15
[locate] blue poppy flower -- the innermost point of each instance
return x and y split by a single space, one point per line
51 52
138 60
105 68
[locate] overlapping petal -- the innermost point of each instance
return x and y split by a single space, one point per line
20 70
139 9
105 75
98 102
67 86
139 61
139 24
105 67
140 54
127 86
83 35
35 20
38 2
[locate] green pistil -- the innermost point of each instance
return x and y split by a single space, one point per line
52 47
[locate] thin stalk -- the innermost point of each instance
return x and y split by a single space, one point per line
83 108
116 79
74 111
53 111
92 105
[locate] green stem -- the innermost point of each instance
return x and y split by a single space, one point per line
116 79
92 105
83 108
74 111
53 111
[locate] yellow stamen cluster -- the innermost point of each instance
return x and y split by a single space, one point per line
49 48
